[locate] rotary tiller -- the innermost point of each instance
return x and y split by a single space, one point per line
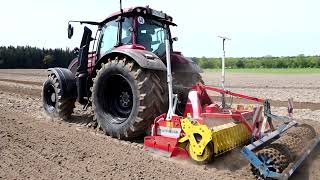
208 129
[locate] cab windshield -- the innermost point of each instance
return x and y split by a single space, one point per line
151 34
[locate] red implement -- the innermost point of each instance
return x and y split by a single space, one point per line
164 137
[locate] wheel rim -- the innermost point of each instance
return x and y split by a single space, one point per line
118 98
269 162
50 97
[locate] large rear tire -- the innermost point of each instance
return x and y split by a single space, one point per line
127 98
53 103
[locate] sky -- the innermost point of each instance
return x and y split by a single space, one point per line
256 27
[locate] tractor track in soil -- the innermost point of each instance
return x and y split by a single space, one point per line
31 145
276 103
22 82
24 72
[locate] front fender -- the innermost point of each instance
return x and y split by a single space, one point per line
67 82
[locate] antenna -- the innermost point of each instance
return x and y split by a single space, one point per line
121 10
120 19
223 68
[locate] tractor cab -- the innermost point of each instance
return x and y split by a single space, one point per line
141 33
135 28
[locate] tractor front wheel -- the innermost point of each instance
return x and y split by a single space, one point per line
127 98
53 103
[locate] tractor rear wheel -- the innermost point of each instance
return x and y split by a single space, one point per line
53 103
127 98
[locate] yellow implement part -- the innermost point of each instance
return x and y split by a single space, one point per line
223 137
205 157
228 136
198 135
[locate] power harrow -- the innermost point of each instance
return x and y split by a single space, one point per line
274 145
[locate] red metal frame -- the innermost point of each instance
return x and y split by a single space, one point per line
222 91
202 109
163 143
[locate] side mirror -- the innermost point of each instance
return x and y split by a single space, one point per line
70 31
76 51
175 39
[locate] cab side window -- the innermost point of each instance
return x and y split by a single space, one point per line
109 37
127 31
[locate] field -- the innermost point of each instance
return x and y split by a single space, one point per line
270 70
37 147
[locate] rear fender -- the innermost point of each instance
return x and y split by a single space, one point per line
67 82
181 63
186 68
144 59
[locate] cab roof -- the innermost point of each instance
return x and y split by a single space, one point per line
143 11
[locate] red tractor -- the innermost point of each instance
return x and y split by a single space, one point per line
134 76
124 77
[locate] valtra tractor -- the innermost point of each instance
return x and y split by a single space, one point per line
124 77
133 76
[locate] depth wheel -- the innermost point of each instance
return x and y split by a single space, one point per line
205 157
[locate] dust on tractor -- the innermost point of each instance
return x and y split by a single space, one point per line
132 76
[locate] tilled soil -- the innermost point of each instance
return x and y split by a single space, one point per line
33 146
300 87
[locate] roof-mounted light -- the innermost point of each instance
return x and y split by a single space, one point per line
158 14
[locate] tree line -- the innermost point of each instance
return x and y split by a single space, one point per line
299 61
33 57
